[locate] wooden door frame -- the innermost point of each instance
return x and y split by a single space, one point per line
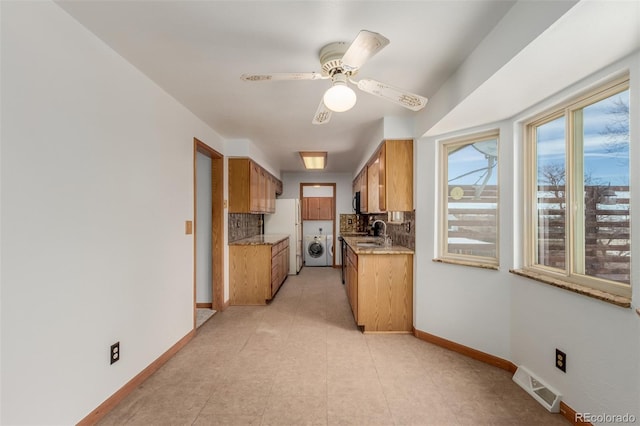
333 185
217 224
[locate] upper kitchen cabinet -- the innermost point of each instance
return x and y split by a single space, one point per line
389 178
251 188
317 208
360 185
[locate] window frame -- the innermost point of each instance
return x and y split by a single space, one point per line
574 180
443 234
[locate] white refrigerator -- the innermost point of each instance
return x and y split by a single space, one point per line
288 220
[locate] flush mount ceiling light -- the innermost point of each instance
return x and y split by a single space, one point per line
339 97
314 160
340 62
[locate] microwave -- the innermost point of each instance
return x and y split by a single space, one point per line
356 203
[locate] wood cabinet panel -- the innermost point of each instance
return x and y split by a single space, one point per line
351 282
317 208
256 272
251 188
385 292
380 290
388 177
382 179
360 185
249 274
373 186
399 175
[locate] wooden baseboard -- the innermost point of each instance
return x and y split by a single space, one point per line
204 305
104 408
467 351
570 414
565 411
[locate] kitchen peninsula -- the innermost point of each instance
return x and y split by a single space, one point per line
379 285
257 268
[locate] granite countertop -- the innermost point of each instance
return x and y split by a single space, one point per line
353 234
394 249
263 239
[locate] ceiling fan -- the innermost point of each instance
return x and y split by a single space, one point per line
340 62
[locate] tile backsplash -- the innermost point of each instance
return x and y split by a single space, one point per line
244 225
403 234
352 223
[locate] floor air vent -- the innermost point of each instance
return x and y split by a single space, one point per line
542 393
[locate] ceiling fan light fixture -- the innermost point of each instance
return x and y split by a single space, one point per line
314 160
339 97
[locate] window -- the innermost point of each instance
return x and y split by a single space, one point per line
469 225
578 192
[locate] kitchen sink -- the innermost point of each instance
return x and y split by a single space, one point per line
367 244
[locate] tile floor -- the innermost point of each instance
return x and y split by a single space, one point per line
302 361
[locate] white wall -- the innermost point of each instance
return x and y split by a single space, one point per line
450 301
291 186
96 184
246 148
520 319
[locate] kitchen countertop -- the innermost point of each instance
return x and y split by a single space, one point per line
394 249
263 239
353 234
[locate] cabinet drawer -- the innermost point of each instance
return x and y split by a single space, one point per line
277 248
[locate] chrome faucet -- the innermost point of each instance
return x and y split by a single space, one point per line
387 240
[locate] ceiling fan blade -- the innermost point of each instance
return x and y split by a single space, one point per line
284 76
322 115
366 45
401 97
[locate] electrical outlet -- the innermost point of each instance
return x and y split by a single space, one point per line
114 353
561 360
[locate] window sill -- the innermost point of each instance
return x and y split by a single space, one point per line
622 301
467 263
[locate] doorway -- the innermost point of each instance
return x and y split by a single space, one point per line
208 235
310 190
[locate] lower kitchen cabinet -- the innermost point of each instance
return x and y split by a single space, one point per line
380 291
256 271
351 281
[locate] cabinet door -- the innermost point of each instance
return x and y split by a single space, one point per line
262 191
364 204
254 188
314 208
382 181
239 185
310 208
270 194
373 186
325 208
399 175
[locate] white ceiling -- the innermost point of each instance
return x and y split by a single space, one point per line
197 51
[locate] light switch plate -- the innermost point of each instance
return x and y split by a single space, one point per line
188 227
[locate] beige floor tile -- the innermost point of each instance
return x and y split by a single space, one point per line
295 410
301 360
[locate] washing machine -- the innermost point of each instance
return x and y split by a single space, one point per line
315 250
330 250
